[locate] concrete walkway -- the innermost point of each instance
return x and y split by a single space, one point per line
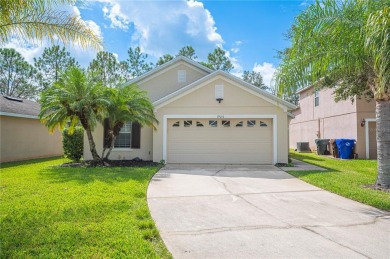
217 211
302 166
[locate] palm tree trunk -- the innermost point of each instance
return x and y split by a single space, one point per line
92 145
383 142
111 147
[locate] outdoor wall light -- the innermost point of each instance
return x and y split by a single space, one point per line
219 93
363 123
219 100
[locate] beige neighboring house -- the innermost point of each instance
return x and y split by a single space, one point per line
319 116
204 116
22 135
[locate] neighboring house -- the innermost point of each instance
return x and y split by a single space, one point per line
22 135
204 116
319 116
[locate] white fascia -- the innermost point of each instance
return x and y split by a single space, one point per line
10 114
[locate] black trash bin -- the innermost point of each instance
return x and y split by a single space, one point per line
333 148
322 146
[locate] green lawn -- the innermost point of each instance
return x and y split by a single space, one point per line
344 177
55 212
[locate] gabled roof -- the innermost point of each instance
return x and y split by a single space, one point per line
304 89
166 65
235 79
11 106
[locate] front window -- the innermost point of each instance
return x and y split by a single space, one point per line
123 140
316 98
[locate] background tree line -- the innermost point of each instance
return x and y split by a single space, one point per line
21 79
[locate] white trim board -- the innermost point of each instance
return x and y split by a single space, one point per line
222 116
18 115
228 78
366 129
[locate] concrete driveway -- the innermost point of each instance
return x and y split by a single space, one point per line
217 211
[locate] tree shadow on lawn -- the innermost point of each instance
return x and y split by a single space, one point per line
29 162
306 158
108 175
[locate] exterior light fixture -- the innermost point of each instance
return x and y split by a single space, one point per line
363 123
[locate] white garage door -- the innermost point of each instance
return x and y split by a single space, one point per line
232 141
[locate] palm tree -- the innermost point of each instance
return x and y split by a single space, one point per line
344 45
30 20
126 104
75 99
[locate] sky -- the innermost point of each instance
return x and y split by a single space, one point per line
251 31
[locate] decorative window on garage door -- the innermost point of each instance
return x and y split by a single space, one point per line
176 124
199 124
240 124
226 123
263 124
250 123
187 123
213 123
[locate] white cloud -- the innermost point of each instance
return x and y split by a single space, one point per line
238 69
94 27
165 26
235 50
235 46
28 50
113 13
237 42
267 71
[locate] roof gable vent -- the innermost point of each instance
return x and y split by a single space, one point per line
219 93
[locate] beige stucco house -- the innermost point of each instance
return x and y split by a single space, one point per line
204 116
22 135
319 116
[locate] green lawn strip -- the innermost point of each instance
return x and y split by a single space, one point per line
344 177
50 211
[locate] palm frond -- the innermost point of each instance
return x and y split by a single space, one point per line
37 20
328 41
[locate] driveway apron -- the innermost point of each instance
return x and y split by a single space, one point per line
239 211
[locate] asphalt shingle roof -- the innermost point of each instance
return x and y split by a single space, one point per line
19 106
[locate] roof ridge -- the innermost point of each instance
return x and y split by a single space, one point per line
165 65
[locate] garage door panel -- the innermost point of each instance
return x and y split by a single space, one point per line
207 144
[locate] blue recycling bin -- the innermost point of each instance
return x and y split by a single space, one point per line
345 147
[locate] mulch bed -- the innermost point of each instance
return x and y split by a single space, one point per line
112 163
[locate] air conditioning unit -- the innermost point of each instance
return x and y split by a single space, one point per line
303 147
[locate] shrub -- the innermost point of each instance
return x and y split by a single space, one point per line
72 143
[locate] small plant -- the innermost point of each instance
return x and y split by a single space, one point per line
73 143
162 162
